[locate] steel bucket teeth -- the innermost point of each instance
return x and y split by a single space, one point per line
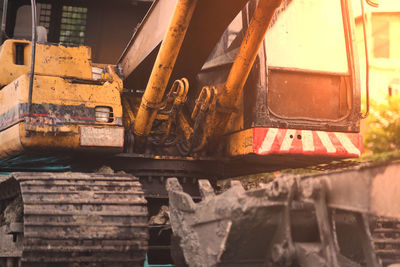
293 219
219 229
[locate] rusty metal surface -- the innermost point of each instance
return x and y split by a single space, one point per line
83 218
143 43
292 95
235 228
369 189
247 227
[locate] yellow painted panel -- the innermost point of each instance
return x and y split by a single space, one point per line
10 143
59 60
49 142
53 60
9 71
240 143
59 91
64 142
12 95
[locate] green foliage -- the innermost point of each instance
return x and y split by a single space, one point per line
383 132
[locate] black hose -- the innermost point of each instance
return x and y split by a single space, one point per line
363 116
33 55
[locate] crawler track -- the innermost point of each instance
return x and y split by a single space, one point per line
386 237
93 219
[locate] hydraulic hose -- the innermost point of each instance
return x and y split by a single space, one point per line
364 116
163 67
33 55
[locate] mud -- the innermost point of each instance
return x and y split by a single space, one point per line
105 170
162 218
12 211
108 170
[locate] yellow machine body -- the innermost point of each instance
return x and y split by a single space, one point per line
205 90
62 115
226 112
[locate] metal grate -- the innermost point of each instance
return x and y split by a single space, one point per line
73 25
44 11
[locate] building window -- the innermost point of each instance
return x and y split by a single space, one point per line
380 33
73 25
44 11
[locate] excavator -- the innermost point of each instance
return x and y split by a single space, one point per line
111 111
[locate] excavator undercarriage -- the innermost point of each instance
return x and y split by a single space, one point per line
67 218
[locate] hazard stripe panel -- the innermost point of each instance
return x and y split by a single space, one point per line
267 141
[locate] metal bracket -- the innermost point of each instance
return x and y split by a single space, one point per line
326 226
175 99
366 241
15 229
329 248
283 250
203 116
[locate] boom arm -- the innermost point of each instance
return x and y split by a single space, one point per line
171 51
163 67
233 88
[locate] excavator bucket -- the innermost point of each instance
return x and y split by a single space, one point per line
308 221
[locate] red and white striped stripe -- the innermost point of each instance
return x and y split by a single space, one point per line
268 141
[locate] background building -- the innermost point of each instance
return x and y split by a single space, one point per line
383 35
